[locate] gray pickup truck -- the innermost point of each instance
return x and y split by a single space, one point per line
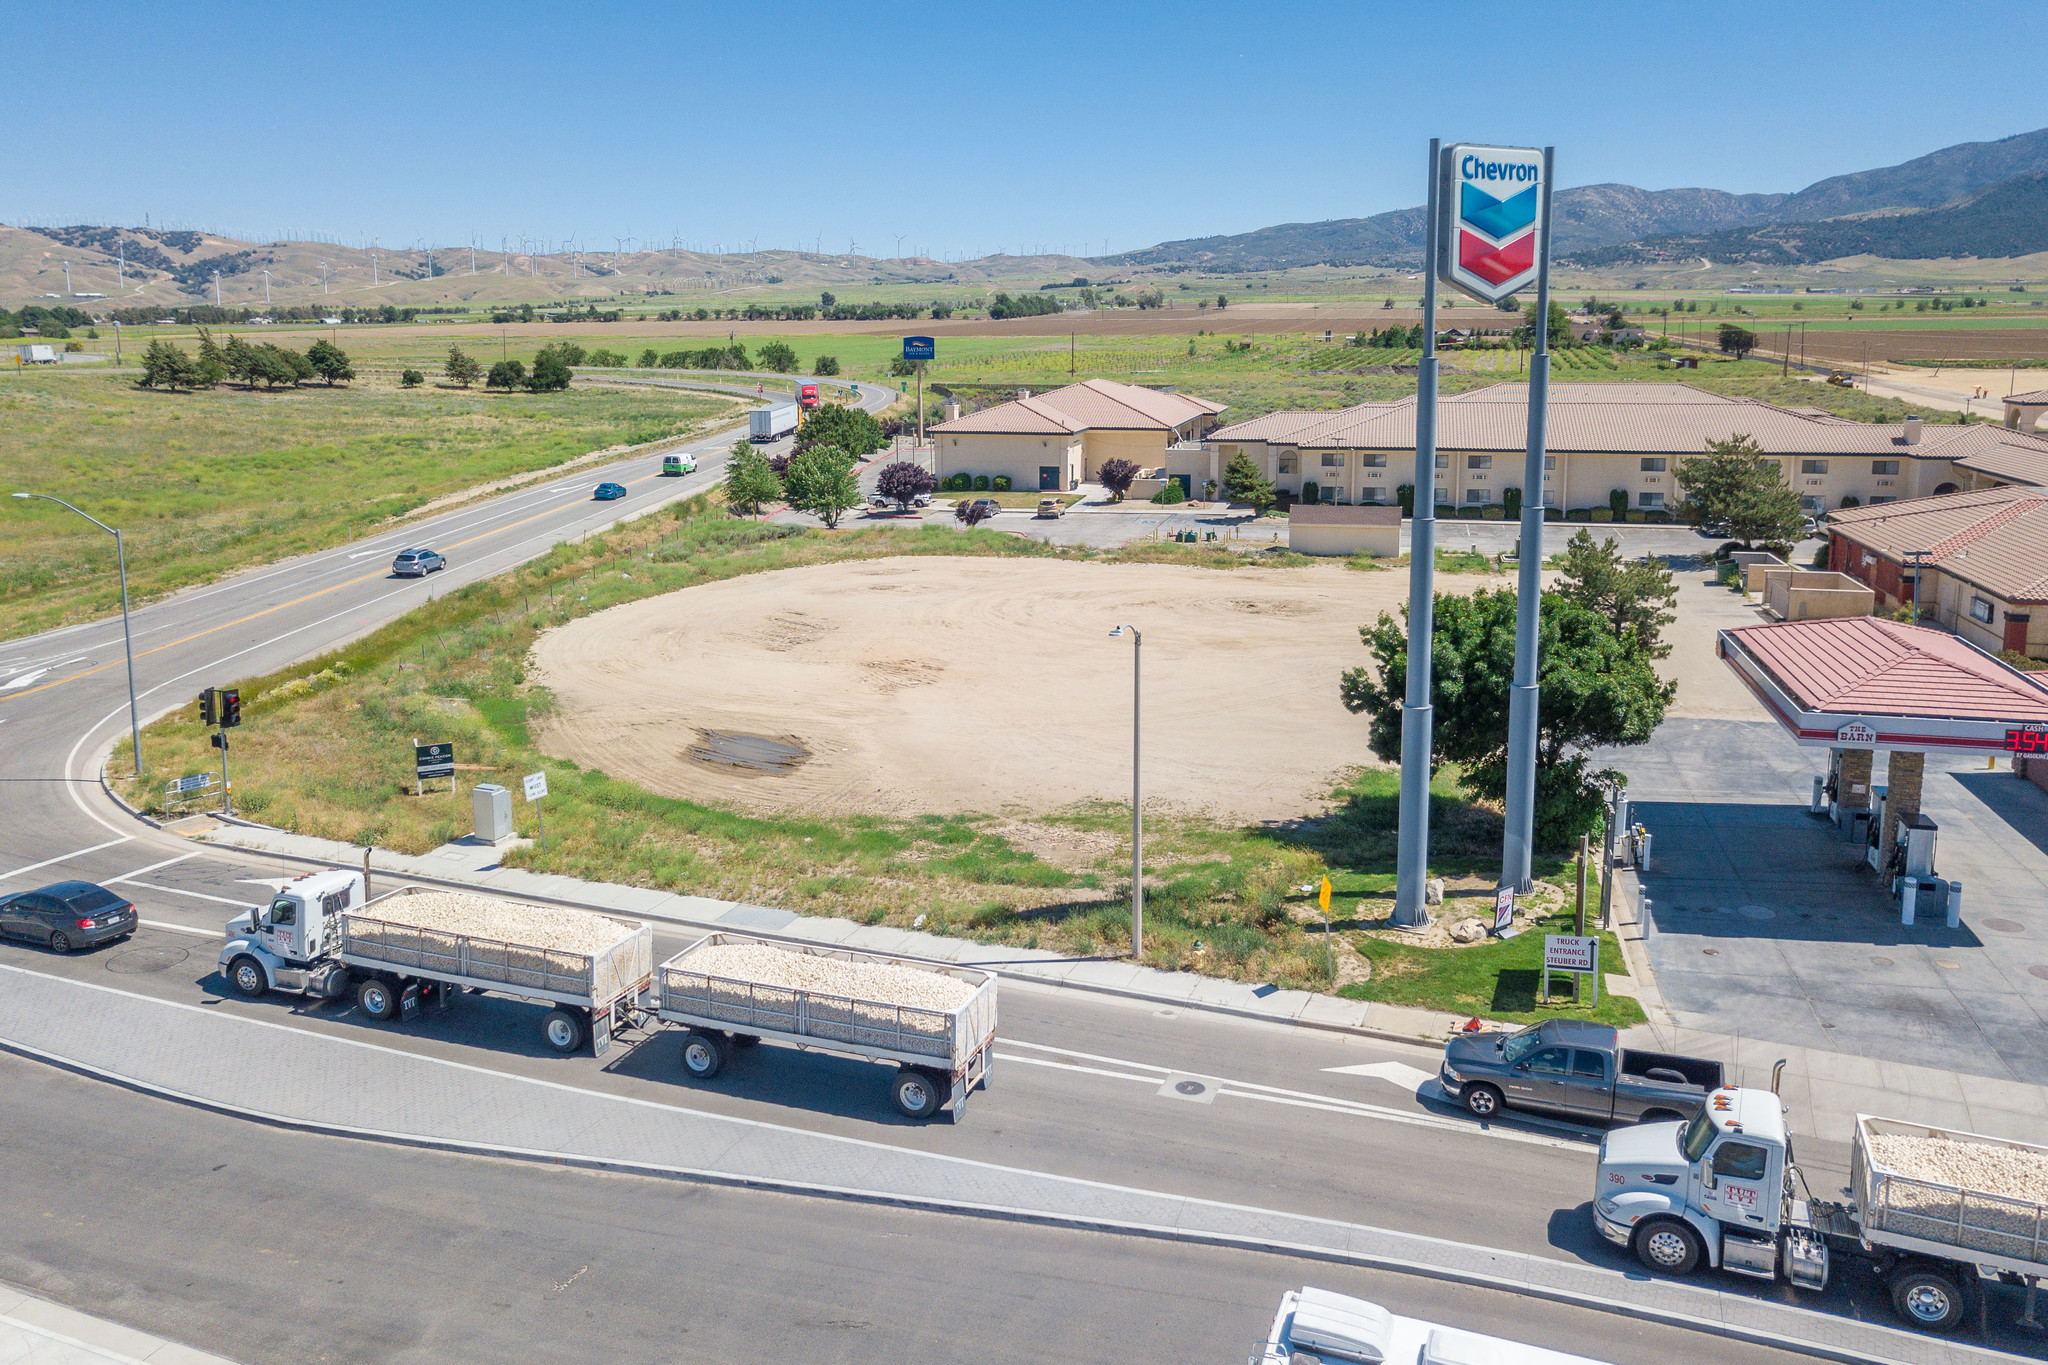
1576 1069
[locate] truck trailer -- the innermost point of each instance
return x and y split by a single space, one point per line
319 936
1317 1325
771 423
937 1024
1931 1212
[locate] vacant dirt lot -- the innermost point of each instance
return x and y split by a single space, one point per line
958 685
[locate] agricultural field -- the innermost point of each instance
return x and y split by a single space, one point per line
205 483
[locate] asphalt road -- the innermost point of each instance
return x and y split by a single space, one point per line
1083 1090
270 1246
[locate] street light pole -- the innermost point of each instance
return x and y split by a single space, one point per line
127 636
1137 804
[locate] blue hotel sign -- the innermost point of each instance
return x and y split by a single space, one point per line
920 348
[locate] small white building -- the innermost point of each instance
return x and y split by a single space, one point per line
1324 529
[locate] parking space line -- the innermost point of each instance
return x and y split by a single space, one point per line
66 857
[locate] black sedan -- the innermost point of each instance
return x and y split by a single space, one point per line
608 491
67 915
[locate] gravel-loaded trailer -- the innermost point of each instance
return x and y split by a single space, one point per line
936 1023
319 937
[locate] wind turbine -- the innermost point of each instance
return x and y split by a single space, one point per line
266 289
899 244
67 278
472 253
216 289
323 277
121 266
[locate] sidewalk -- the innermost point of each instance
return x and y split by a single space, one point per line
1825 1090
277 1074
35 1331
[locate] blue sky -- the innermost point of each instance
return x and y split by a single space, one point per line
964 128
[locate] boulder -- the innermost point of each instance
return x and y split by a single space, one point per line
1433 891
1468 931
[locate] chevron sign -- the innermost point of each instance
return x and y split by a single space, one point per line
1492 201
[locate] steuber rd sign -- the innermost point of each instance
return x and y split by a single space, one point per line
1493 205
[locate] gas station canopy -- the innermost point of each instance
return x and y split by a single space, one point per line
1865 683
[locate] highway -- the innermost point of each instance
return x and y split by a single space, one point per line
274 1246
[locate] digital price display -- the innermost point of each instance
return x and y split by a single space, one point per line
2026 741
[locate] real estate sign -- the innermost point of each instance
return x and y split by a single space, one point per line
1492 230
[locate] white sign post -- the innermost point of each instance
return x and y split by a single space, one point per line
536 785
1575 954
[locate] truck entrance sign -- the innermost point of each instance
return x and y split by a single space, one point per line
1490 242
1574 953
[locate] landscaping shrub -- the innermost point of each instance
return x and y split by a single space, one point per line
1171 493
981 483
1617 502
1601 514
1311 491
1511 503
959 483
1492 512
1578 514
1000 483
1637 515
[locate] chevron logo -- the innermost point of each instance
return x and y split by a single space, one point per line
1497 218
1496 264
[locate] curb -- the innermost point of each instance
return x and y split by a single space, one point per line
1158 1232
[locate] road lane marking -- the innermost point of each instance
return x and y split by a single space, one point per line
1069 1066
196 895
24 680
1400 1074
66 857
151 868
177 928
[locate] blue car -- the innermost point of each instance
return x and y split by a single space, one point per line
607 491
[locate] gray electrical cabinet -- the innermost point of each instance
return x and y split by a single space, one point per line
493 806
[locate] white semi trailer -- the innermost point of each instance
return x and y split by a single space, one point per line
771 423
319 936
1722 1190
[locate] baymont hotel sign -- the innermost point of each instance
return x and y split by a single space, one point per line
1493 224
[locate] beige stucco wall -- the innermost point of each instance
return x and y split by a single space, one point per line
1381 541
1145 449
1018 456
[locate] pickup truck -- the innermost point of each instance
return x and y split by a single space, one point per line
1577 1069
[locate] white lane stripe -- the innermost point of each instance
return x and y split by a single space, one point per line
1068 1066
196 895
178 928
66 857
131 876
24 680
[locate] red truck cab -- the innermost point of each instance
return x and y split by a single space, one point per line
807 395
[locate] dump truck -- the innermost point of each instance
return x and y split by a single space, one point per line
771 423
321 936
1931 1211
935 1023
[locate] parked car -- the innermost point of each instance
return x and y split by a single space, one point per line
1051 507
418 563
67 915
989 506
684 463
1572 1067
882 501
606 492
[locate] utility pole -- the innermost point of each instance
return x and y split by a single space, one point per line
266 289
1417 713
323 277
373 269
216 289
121 267
1137 805
67 279
1523 700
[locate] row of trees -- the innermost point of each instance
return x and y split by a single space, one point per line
732 357
550 372
820 481
1601 633
168 366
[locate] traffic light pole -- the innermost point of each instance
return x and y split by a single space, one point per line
1522 697
227 805
1417 713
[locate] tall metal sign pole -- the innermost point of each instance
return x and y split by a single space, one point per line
1417 714
1522 700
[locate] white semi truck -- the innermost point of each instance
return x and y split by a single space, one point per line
1722 1190
771 423
1316 1325
319 936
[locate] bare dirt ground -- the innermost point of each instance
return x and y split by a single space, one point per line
970 685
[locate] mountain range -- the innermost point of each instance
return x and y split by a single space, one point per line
1972 196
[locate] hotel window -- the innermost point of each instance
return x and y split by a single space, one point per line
1479 462
1813 466
1812 504
1649 499
1443 462
1550 461
1373 459
1477 495
1332 460
1286 464
1653 464
1884 466
1980 610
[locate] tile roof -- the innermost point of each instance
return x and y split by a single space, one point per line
1630 418
1093 403
1994 538
1863 665
2031 396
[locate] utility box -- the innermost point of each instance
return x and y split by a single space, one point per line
493 806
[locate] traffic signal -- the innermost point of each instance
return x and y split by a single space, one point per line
207 710
220 740
230 707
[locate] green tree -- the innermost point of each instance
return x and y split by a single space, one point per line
211 364
853 430
826 364
1242 482
331 362
1734 488
750 484
649 358
1223 300
412 379
821 481
462 367
505 374
550 372
826 300
167 366
1736 341
1633 596
241 361
1560 328
778 357
1598 691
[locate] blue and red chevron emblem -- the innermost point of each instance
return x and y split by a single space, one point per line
1507 247
1496 205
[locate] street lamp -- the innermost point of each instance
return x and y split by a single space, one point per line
127 637
1137 806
